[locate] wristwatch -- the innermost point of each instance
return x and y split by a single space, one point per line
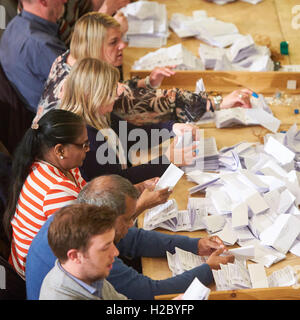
217 101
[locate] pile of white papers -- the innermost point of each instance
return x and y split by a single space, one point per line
175 55
233 276
147 24
167 216
259 114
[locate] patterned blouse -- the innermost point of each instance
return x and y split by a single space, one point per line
139 106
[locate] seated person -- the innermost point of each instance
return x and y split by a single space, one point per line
82 238
118 194
90 91
98 36
45 177
74 9
28 47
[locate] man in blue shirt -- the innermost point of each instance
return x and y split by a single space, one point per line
118 194
29 45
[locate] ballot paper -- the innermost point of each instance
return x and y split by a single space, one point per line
175 55
295 248
232 276
240 215
160 213
227 234
214 223
170 177
258 276
263 254
246 252
147 24
203 179
283 277
183 260
282 233
196 291
281 153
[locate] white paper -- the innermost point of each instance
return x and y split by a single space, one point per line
258 276
196 291
170 177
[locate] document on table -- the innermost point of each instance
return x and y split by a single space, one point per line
263 118
281 153
258 276
282 233
196 291
214 223
283 277
240 215
160 213
170 177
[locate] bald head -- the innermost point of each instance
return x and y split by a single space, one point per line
109 191
50 10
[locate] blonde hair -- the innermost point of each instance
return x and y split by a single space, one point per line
89 34
91 83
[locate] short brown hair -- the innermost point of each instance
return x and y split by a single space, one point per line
73 226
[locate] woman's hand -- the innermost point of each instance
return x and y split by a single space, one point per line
181 156
237 98
158 74
181 128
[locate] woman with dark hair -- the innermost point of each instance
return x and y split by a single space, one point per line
45 177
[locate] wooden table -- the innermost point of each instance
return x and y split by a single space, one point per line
157 268
270 18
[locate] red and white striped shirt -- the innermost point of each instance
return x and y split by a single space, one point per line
46 189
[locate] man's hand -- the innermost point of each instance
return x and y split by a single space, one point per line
215 259
206 246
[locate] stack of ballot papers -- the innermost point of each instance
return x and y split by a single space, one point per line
208 29
147 24
167 216
175 55
259 114
235 275
243 55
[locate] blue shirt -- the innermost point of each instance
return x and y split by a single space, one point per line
28 47
126 280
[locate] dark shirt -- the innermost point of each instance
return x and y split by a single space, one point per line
136 174
28 48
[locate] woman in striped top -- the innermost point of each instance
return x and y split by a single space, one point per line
45 178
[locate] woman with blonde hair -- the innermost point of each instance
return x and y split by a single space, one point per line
90 91
98 36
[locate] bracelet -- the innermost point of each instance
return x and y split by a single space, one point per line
217 100
148 84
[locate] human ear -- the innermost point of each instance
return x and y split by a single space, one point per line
59 151
74 255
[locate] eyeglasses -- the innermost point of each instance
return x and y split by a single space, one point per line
84 146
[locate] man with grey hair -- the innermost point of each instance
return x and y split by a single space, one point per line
117 193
